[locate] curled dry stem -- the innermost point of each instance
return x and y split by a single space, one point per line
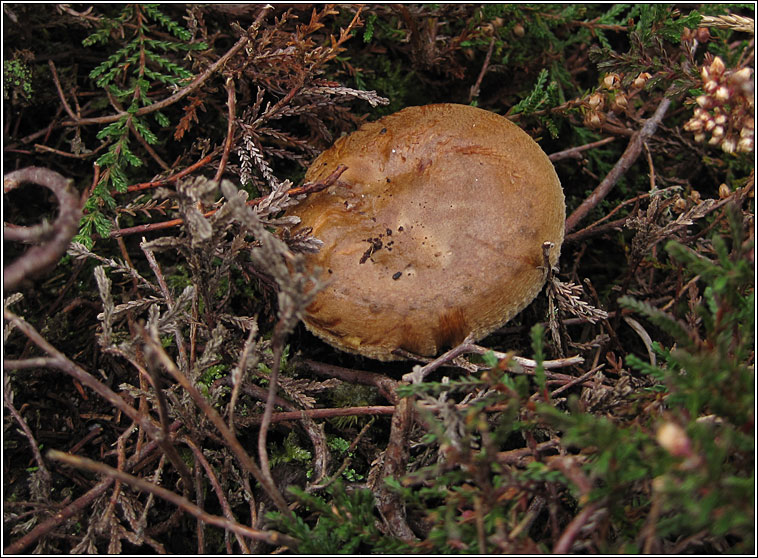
231 104
63 229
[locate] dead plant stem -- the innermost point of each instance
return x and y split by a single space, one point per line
231 100
629 156
247 463
271 537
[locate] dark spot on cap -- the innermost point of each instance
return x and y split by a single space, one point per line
397 275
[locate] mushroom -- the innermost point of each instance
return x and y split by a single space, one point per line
434 232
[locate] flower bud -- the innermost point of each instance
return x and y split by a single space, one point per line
693 125
699 137
488 29
729 145
680 205
674 439
519 30
593 119
619 103
716 135
709 125
717 67
612 81
703 101
641 80
745 145
710 86
741 75
720 118
595 101
702 34
724 191
722 94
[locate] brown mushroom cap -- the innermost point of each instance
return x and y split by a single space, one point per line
433 232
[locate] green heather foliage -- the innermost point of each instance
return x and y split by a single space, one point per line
129 75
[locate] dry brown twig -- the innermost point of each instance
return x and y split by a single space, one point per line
59 361
55 237
271 537
629 156
395 456
71 510
247 463
217 489
574 152
231 102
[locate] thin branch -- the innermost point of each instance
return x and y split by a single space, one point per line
82 155
474 92
277 345
270 537
180 346
239 373
370 410
515 364
247 463
384 384
66 106
213 478
231 100
629 156
8 401
165 181
396 457
563 546
61 362
66 513
574 152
